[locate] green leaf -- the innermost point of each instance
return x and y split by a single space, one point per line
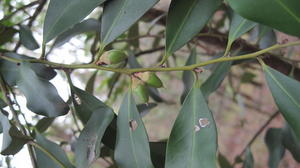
132 146
88 25
87 147
282 15
85 104
6 34
193 139
238 27
43 124
133 33
291 143
185 20
10 71
119 15
215 79
13 140
286 93
273 140
91 82
59 158
223 161
188 76
249 160
2 103
27 39
63 14
42 97
267 37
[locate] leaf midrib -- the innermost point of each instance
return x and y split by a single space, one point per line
59 18
282 87
194 123
288 10
115 21
181 27
130 132
237 30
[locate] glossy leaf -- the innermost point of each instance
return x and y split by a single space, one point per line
188 76
10 71
291 143
42 97
43 124
27 39
281 15
273 140
85 104
215 79
88 25
249 160
87 147
119 15
132 146
193 139
91 83
238 27
13 140
286 93
63 14
185 20
59 158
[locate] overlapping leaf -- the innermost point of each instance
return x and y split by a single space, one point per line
286 93
119 15
290 142
13 140
193 139
58 158
238 27
10 70
27 39
6 34
63 14
185 20
249 160
88 25
282 15
273 139
215 79
188 76
87 147
42 97
132 146
85 104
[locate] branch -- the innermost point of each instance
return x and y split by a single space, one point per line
153 69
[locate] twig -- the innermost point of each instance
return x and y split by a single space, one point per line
129 71
259 131
18 10
15 116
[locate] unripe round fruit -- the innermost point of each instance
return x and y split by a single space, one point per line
140 89
150 78
142 92
112 57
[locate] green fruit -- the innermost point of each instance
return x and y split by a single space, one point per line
150 78
142 92
140 89
112 57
